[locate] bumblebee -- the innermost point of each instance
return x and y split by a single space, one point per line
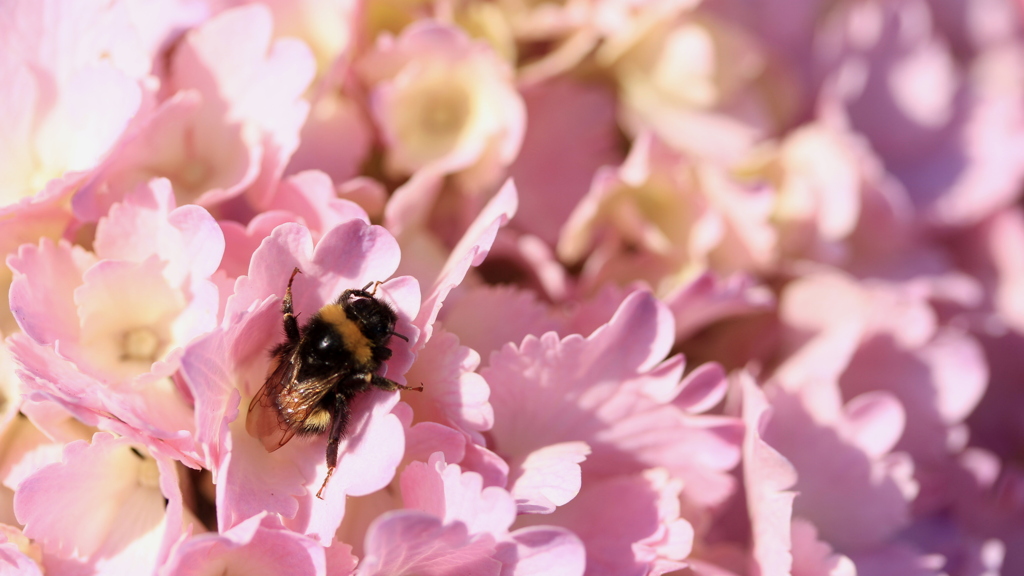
320 367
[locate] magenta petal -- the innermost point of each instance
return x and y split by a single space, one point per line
412 542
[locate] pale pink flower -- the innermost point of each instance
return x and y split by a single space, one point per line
42 216
337 137
68 94
104 331
229 121
227 368
10 390
308 198
612 396
689 77
485 317
444 103
950 131
886 337
454 525
338 134
120 509
470 250
29 447
661 217
453 394
630 524
260 546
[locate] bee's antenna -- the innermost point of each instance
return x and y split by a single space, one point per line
400 336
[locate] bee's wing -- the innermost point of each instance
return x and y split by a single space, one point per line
264 422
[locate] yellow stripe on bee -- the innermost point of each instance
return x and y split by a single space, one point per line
318 421
355 341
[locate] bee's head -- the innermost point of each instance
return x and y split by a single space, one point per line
376 317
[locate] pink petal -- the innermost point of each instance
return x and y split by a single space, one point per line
42 293
767 476
446 492
133 525
550 477
629 524
311 196
571 132
407 541
207 157
548 551
812 557
14 554
709 298
453 394
876 491
609 391
470 251
147 223
486 317
258 546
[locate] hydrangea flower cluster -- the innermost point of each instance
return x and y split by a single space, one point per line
692 287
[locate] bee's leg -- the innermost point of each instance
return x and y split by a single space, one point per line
389 385
362 292
339 420
291 324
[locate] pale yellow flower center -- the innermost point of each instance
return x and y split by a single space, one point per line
140 344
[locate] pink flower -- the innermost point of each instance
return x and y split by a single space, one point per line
17 554
229 122
104 331
113 513
444 103
630 524
950 131
611 400
454 525
258 545
68 92
227 368
688 78
660 217
780 542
